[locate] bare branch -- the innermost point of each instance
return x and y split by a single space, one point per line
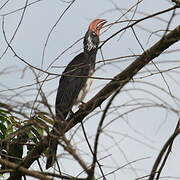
126 75
20 169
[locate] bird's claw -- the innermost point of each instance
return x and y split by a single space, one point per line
82 105
71 113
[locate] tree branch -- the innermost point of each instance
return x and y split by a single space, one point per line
125 76
23 170
165 151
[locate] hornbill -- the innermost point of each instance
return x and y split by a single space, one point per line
74 83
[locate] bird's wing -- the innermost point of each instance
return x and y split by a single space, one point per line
71 83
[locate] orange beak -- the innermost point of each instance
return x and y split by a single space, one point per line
97 25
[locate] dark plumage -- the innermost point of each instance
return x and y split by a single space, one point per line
74 83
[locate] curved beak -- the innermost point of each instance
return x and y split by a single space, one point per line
97 25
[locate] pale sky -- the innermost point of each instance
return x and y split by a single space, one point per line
140 134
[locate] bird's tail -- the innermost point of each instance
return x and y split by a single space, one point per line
51 157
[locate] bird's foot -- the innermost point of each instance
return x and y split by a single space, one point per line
71 113
82 105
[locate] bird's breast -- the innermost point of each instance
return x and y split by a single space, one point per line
85 88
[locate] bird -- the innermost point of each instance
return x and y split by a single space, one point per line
75 82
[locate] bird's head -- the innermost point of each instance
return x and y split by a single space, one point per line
91 39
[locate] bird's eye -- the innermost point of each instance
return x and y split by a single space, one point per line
94 34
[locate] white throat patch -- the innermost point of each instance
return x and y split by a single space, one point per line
90 44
